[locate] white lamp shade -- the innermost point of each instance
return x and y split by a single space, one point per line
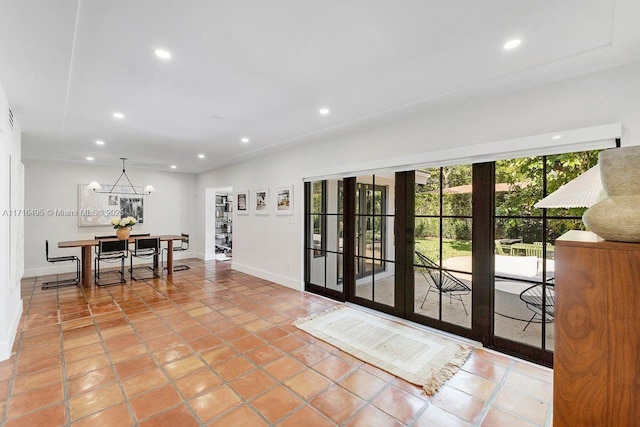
149 189
93 185
581 192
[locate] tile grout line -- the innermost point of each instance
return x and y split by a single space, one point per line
96 325
159 366
63 364
171 381
14 372
256 366
489 403
207 365
163 301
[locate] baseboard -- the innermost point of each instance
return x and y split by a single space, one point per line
276 278
7 345
200 255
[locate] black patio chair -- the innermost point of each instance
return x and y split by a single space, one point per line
442 281
532 297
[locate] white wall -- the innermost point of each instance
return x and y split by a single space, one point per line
271 246
10 301
54 185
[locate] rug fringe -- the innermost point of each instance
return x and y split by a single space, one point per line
301 320
437 379
448 371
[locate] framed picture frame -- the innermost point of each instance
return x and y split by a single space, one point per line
241 202
284 200
261 201
97 209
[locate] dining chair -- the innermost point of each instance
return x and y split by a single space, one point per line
442 281
145 248
184 245
65 282
110 251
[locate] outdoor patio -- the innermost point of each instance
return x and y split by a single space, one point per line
511 313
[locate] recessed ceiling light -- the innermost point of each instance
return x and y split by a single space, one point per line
99 142
90 159
512 44
162 54
118 115
324 111
556 137
245 140
173 166
219 116
201 156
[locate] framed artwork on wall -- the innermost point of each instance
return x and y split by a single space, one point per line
284 200
242 202
261 201
97 209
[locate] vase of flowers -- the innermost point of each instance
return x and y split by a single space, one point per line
123 226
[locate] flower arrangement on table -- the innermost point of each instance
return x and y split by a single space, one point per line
127 222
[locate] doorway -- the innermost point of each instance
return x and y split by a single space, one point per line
218 223
223 225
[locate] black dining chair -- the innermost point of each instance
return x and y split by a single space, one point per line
111 251
145 248
441 281
64 282
184 245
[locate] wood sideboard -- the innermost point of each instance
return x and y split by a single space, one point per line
597 332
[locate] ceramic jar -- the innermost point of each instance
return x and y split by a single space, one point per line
617 217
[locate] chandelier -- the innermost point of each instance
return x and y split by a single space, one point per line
97 188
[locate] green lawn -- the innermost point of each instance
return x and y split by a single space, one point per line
450 248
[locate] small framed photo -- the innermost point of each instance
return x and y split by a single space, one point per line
242 202
261 201
284 200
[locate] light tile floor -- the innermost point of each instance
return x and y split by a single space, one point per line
216 347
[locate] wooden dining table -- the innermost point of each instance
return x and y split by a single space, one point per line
88 244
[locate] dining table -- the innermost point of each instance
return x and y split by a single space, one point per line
88 244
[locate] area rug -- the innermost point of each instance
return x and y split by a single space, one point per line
415 355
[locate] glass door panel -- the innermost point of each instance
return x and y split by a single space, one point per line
442 261
374 219
324 240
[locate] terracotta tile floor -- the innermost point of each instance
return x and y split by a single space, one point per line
216 347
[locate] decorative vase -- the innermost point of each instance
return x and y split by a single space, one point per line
123 233
617 217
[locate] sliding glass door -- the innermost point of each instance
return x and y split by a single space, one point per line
374 285
443 250
324 242
460 248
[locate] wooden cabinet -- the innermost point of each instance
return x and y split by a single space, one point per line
597 332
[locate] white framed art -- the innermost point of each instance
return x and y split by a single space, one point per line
242 202
284 200
261 201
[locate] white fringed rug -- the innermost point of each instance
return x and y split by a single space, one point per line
415 355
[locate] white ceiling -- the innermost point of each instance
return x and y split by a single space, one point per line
268 66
